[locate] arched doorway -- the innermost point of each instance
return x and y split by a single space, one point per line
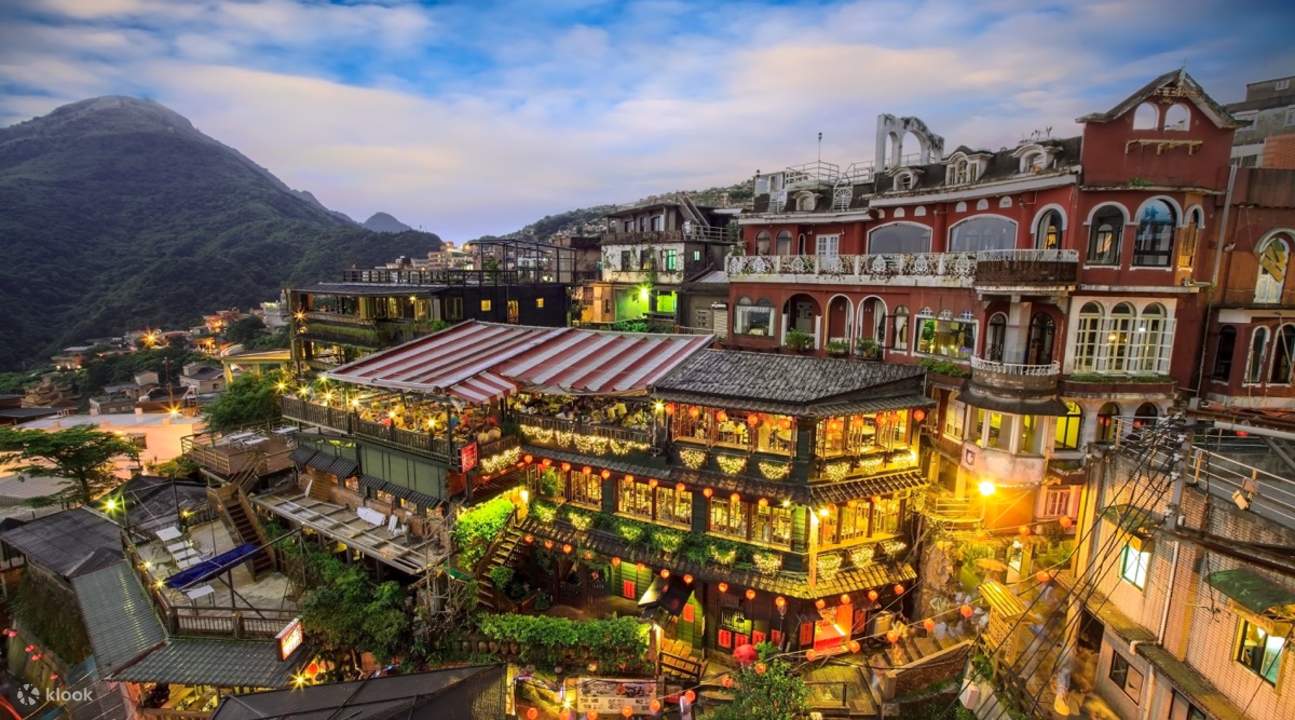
872 321
802 313
1108 422
996 337
838 318
1038 345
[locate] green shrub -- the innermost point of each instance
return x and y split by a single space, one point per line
666 541
500 576
544 511
798 340
548 641
478 527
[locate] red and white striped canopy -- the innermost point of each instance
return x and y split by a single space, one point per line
478 362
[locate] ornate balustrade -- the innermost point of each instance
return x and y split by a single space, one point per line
1051 369
990 267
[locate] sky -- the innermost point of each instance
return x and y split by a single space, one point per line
480 117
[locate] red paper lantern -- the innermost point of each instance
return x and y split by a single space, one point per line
855 647
899 589
312 669
586 470
592 715
786 424
606 474
694 412
723 587
654 705
750 594
529 539
680 487
811 654
566 467
566 548
641 567
1042 576
929 624
735 497
687 579
721 416
665 574
966 611
919 415
1065 522
548 544
653 483
669 408
1024 530
745 655
892 636
708 492
629 478
845 598
727 682
616 561
532 713
546 462
752 419
780 602
690 696
872 596
820 603
528 459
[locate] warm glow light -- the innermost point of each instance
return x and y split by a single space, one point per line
986 487
658 406
823 512
110 504
173 411
750 594
723 587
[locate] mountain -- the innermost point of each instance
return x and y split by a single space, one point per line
384 223
118 214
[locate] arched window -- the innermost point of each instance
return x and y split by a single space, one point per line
1047 235
1104 236
1255 358
984 232
1146 117
1038 346
1178 117
1190 236
996 337
1151 337
1146 414
1224 349
753 318
1154 243
1283 352
901 327
1108 417
1119 339
900 238
805 202
784 242
1274 258
1068 426
904 180
1086 337
841 198
762 243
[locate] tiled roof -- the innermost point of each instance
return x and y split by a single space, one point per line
814 494
214 661
788 382
789 584
118 616
1194 92
609 463
839 492
67 542
335 465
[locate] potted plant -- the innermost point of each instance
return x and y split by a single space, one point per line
868 349
798 340
838 348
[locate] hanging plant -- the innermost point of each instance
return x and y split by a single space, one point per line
579 519
729 464
692 459
722 553
828 565
836 470
773 470
500 461
767 563
861 557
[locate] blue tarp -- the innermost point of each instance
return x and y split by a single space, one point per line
208 569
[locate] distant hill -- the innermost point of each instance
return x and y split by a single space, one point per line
384 223
116 214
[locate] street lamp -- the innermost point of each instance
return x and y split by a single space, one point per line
987 487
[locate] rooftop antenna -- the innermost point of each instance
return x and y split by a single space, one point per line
820 147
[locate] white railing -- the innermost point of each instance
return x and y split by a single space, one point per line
817 171
1030 255
1017 369
957 267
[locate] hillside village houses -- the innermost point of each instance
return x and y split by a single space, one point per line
1015 420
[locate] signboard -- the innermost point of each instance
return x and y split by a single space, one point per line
607 696
289 638
468 456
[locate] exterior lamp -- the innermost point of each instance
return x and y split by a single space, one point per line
824 512
919 415
658 407
644 293
987 488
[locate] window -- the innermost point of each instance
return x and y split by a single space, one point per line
955 413
1283 84
1224 348
696 256
1283 351
1028 436
998 431
1146 117
904 180
771 525
453 309
674 506
901 328
1274 258
1068 426
1119 339
1290 118
1108 422
784 242
1086 343
1154 243
586 488
1190 236
841 199
1125 676
1047 235
1180 708
1041 338
486 305
1260 652
670 260
827 247
995 336
949 338
762 243
1134 564
635 499
900 238
1255 360
1152 351
984 232
805 202
1104 236
627 260
728 516
753 318
514 311
1178 117
1056 501
539 303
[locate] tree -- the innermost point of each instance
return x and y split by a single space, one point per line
249 399
775 694
244 329
82 454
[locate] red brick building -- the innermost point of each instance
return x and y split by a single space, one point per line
1051 288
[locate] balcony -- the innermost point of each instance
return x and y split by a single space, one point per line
955 270
1028 270
1015 378
698 234
1003 466
348 422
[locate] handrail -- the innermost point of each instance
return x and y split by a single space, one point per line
1019 369
613 432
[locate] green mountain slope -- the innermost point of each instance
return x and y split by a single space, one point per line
115 214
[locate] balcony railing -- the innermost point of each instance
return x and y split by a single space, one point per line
1051 369
347 422
450 276
694 234
562 433
1016 268
990 267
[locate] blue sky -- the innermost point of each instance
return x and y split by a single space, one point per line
477 117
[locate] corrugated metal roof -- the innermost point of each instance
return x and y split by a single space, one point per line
478 362
63 542
1252 591
214 661
118 616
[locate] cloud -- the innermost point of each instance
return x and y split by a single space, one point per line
469 118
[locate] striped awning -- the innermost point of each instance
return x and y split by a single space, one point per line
478 362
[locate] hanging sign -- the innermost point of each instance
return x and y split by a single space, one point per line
468 456
289 638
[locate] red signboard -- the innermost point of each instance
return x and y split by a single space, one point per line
290 638
468 456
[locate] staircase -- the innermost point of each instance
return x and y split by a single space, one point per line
242 524
889 665
693 212
489 598
951 510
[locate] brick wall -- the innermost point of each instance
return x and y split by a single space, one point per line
1279 152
